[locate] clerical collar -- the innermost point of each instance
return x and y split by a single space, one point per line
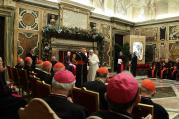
58 95
126 114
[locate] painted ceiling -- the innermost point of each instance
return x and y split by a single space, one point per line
133 10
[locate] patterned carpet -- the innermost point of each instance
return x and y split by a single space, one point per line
163 92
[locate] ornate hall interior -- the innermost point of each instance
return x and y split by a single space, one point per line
149 28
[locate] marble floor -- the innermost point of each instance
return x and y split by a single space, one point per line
168 95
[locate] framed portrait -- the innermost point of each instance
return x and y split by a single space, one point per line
52 16
138 48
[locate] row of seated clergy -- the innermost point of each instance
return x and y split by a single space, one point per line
38 108
43 70
86 98
22 79
62 84
51 97
163 70
58 101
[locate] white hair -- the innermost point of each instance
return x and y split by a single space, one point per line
91 50
58 85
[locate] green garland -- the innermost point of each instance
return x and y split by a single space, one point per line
78 34
72 33
20 50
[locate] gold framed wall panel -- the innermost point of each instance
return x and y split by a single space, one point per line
42 21
77 16
163 47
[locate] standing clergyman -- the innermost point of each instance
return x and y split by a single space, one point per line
93 65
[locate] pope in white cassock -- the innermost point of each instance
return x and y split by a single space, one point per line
93 65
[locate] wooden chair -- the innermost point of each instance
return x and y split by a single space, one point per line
24 80
39 88
15 76
86 98
37 109
15 80
9 72
142 110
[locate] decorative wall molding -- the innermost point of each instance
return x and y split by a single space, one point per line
27 40
73 14
77 5
8 3
8 13
72 43
99 16
158 21
28 19
5 11
41 3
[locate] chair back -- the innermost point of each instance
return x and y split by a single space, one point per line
86 98
37 109
39 88
9 72
142 110
24 79
15 76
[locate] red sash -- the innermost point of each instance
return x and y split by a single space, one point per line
162 71
173 72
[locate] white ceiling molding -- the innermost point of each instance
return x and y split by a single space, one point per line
90 8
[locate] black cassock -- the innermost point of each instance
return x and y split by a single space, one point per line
134 65
81 68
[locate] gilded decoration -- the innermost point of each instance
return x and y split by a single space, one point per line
137 31
174 32
72 15
66 33
75 19
150 33
162 49
106 30
174 50
26 41
52 17
28 19
106 54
